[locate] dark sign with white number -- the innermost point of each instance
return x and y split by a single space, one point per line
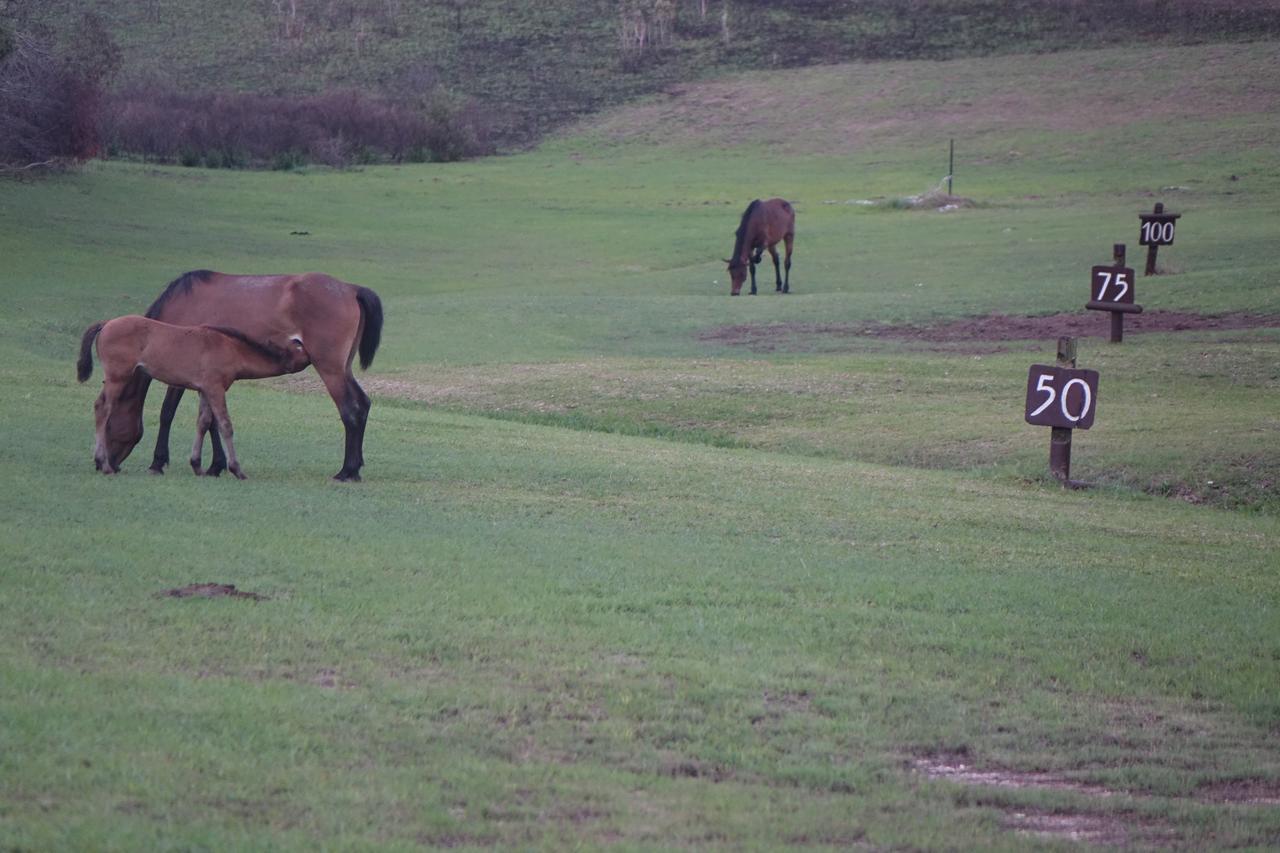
1061 396
1112 285
1157 228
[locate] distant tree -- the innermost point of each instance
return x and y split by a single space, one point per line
643 26
50 101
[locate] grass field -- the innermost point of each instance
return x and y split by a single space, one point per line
615 579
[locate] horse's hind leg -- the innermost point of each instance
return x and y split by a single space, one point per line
790 240
353 407
777 271
101 414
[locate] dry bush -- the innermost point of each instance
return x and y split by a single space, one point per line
336 128
50 105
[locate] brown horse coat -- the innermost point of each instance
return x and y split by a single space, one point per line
206 359
763 225
333 319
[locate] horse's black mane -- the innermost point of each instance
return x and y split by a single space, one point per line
263 348
179 286
736 258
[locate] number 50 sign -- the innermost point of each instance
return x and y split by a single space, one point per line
1063 397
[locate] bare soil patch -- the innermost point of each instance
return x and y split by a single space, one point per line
954 769
986 334
210 590
1250 792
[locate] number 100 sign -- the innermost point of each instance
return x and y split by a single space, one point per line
1063 397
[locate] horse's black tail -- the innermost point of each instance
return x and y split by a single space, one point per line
371 308
84 366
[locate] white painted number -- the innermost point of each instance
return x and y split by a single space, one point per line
1121 281
1157 232
1066 391
1040 386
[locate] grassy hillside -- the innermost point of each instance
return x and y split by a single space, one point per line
536 65
615 578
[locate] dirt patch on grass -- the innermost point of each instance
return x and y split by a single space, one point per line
1064 824
210 590
1250 792
985 334
1101 830
955 769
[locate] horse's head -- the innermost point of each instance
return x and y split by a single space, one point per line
737 274
124 429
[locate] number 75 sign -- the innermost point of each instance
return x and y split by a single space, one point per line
1064 397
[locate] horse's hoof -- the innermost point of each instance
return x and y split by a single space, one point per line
240 475
156 471
347 476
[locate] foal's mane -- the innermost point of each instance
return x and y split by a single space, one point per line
266 349
178 287
736 258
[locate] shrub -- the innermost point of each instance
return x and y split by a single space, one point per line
336 128
49 107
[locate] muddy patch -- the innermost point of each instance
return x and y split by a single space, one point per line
1101 830
954 769
1249 792
986 334
210 590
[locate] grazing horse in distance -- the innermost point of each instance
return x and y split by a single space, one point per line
333 319
206 359
763 224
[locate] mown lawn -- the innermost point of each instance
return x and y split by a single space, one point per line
611 580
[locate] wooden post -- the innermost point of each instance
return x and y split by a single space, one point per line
1060 437
1117 317
951 166
1151 250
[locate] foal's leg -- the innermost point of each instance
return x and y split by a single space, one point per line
203 420
101 413
218 403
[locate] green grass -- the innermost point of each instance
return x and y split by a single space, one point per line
610 581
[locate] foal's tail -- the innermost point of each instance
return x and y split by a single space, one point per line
84 366
371 308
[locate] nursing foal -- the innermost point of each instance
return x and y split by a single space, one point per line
206 359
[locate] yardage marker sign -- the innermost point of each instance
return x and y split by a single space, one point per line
1063 397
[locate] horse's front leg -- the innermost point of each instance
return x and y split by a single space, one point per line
218 463
753 276
160 458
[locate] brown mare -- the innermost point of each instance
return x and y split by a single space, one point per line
206 359
763 224
332 318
